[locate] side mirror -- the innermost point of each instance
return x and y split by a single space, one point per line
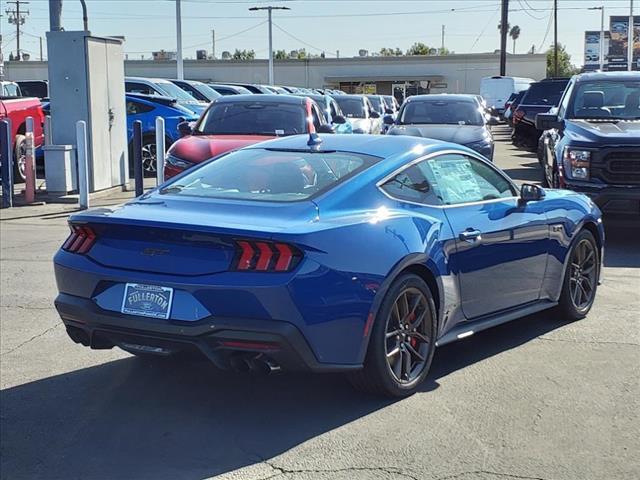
531 193
339 120
547 121
325 128
388 120
493 121
185 129
388 111
374 115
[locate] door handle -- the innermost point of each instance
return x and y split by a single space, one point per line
470 235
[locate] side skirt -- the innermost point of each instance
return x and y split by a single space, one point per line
467 329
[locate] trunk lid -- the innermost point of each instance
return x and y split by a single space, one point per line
185 236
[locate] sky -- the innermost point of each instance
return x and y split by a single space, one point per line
319 26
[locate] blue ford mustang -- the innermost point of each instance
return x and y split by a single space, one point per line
351 253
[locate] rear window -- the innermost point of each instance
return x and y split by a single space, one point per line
253 118
442 112
270 175
545 93
352 107
377 103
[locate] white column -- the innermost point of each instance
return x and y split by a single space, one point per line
179 41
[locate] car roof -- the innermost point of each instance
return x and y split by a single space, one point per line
376 145
146 79
266 98
438 97
583 77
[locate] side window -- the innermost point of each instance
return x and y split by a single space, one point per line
461 179
564 104
414 185
135 87
135 108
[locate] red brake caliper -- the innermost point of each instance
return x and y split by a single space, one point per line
413 340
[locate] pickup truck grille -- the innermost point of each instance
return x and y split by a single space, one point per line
619 167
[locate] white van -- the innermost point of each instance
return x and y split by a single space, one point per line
497 90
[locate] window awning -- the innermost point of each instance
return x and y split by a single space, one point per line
383 78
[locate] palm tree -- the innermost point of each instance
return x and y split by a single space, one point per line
514 33
500 27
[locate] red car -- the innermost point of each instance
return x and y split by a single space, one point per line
17 109
235 121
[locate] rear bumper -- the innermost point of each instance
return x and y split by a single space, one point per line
613 201
219 339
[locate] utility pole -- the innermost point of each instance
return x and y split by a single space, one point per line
631 38
442 47
504 29
40 48
555 38
17 17
601 8
269 10
1 57
180 64
213 44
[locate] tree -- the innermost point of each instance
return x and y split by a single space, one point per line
302 54
418 48
500 27
565 68
514 33
390 52
244 54
280 54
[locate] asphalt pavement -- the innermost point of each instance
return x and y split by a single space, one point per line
537 398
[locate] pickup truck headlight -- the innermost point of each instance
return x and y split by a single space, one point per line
577 162
178 162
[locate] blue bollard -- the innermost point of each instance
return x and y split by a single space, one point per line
6 158
137 157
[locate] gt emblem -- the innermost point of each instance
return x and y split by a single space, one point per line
154 252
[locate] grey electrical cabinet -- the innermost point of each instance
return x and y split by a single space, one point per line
86 82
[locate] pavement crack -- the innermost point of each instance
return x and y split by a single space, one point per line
23 307
587 342
489 472
31 339
383 469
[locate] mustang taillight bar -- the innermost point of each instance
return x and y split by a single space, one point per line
265 256
80 240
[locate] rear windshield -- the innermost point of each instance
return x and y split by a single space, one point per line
174 91
352 107
545 93
270 175
253 118
447 112
377 103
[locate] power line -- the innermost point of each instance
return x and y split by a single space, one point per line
302 41
491 19
546 33
529 13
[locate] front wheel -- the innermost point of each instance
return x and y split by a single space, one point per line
402 341
20 159
581 278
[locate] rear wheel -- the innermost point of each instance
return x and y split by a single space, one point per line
581 278
402 341
20 159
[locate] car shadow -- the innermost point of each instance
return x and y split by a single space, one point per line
622 248
138 418
524 174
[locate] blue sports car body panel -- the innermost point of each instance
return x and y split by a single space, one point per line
354 241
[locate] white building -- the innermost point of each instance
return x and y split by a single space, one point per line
459 73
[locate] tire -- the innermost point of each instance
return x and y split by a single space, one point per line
19 159
148 156
568 306
378 376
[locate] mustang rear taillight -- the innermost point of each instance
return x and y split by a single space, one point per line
264 256
81 239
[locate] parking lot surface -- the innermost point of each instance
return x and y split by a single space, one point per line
537 398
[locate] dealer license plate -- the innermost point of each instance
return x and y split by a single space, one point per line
147 300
